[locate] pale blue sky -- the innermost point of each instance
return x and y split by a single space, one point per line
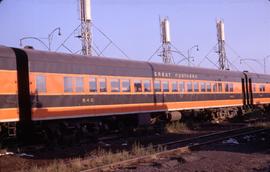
134 26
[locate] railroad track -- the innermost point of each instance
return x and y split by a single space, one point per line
181 146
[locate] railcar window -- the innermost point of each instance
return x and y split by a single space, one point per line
79 84
68 84
254 88
174 86
165 85
196 86
220 87
208 87
125 85
215 87
102 85
226 87
203 88
157 86
262 88
93 85
147 85
231 87
138 86
40 83
115 85
182 86
189 86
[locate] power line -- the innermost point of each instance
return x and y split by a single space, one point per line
206 56
111 41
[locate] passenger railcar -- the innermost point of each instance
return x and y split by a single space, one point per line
47 87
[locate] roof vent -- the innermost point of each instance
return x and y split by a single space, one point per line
28 47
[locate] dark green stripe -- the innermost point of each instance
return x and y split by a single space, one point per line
83 100
8 101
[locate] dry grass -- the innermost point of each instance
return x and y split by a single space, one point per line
102 157
56 166
177 127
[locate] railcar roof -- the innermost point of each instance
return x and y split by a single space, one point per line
115 62
66 58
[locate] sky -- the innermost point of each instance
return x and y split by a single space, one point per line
133 25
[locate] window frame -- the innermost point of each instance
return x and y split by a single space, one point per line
136 88
208 87
174 85
189 86
182 86
117 81
101 89
203 86
167 85
68 84
122 85
91 79
79 84
144 86
41 84
155 88
196 84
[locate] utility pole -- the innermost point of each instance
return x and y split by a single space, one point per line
166 40
223 62
86 22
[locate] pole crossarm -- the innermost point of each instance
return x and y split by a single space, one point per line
49 38
250 59
35 38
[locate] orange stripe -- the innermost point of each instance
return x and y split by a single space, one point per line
60 112
261 100
8 80
9 115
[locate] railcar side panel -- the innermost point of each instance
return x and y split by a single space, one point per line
8 86
53 98
259 88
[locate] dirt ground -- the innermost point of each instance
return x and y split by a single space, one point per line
208 161
249 153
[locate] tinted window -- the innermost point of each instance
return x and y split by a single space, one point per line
68 84
196 86
231 87
254 88
125 85
208 87
174 86
157 86
220 87
182 86
165 85
137 86
40 83
102 85
93 85
226 87
147 85
115 85
262 88
215 87
203 88
189 86
79 84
